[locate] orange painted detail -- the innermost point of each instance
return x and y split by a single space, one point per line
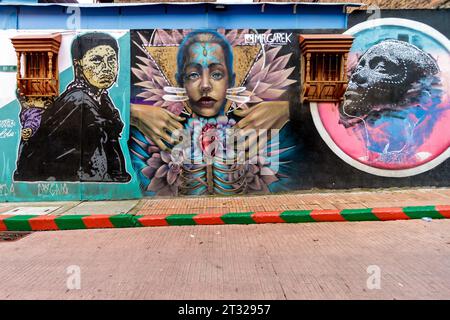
326 215
267 217
43 223
98 221
385 214
154 220
444 211
2 224
209 218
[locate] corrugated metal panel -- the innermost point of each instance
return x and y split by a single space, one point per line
164 16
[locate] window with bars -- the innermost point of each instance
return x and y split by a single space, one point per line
323 65
37 65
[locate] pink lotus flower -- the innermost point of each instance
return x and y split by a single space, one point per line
164 170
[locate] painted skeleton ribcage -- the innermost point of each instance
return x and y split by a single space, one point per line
216 177
206 162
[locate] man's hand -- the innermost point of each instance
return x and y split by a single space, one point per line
157 123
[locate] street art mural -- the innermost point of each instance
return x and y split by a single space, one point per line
77 137
75 145
394 119
175 112
228 92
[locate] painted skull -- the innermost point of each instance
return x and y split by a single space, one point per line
382 78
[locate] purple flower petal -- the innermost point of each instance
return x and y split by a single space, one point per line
162 171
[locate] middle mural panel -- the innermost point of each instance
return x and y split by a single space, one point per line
210 110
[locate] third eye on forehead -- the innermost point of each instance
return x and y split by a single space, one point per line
205 54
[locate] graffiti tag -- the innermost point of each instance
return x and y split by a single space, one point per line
7 123
5 128
6 190
52 189
6 133
277 38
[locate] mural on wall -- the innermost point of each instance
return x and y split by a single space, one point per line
77 137
225 95
193 112
395 115
74 146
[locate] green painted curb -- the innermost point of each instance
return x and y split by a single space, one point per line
422 212
296 216
18 223
181 220
70 222
238 218
124 221
359 215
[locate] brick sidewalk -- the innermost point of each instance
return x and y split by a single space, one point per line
279 202
298 201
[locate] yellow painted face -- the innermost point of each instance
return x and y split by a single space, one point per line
99 66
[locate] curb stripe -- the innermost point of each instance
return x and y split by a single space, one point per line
238 218
181 219
295 216
43 223
97 221
386 214
209 218
267 217
444 211
53 222
70 222
3 226
153 220
18 223
422 212
327 216
123 221
359 215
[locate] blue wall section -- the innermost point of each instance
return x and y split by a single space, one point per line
176 16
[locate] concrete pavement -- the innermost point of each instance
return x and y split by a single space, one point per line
276 261
273 261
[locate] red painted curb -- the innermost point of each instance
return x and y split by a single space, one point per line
386 214
209 218
98 221
267 217
444 211
2 224
52 222
154 220
327 215
43 223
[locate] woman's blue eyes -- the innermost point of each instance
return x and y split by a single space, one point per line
216 75
193 75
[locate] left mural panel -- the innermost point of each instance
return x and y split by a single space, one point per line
64 119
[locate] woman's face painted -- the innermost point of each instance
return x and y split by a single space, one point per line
100 66
206 78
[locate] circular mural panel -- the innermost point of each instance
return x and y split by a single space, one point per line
395 117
